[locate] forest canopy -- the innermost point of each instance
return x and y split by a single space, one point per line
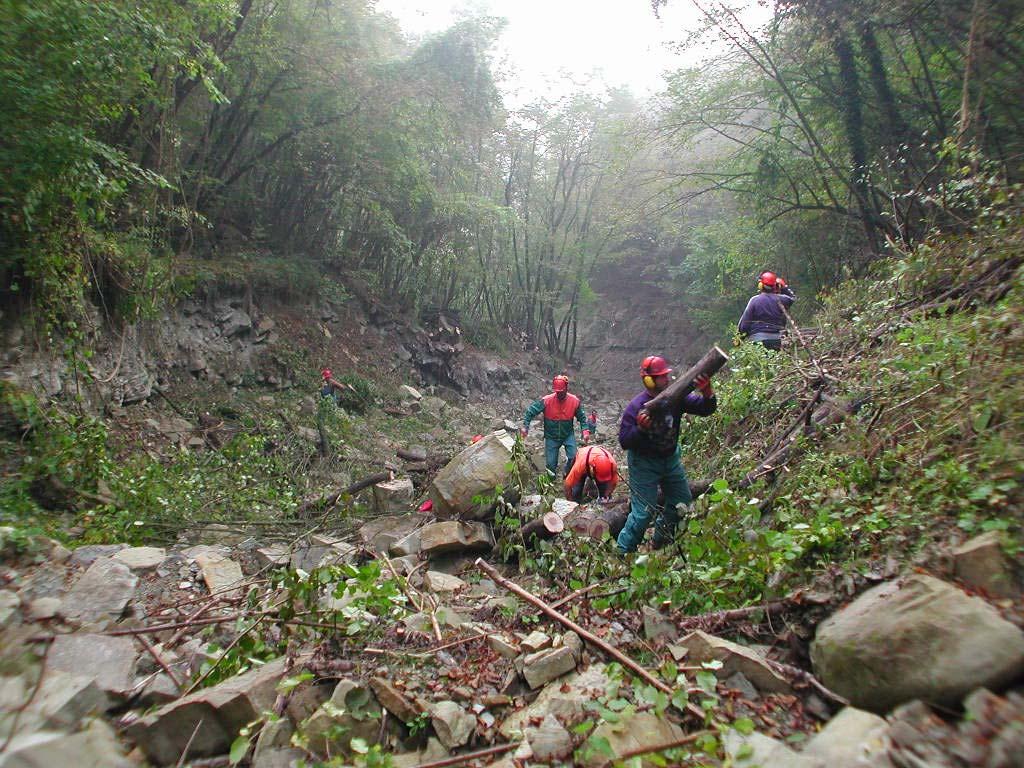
154 142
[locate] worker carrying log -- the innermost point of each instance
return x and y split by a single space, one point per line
764 318
559 409
649 431
595 464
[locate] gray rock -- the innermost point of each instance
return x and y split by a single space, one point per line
141 558
452 724
351 713
852 739
221 574
63 699
643 729
454 536
407 545
735 658
278 757
572 641
544 666
982 564
565 699
275 735
85 556
110 661
10 604
101 594
379 534
503 646
550 740
207 721
759 751
43 608
94 747
738 682
656 625
272 556
535 641
393 700
436 581
155 690
919 639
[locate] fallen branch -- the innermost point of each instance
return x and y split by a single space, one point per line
159 660
734 614
457 759
331 499
803 676
591 638
579 593
688 739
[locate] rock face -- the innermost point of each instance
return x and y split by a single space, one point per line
922 639
476 471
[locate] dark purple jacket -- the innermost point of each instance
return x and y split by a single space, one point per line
763 314
632 438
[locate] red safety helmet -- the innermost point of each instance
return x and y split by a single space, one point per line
560 383
768 279
601 465
326 373
654 365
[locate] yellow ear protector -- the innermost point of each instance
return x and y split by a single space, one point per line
649 382
760 286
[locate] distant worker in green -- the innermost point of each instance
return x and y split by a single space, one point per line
559 409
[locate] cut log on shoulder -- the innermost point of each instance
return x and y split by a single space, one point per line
546 526
673 395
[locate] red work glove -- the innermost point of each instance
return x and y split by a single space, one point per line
703 384
643 420
781 283
586 436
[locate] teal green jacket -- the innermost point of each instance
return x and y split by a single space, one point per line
558 415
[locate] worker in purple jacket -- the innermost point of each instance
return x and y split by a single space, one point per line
653 455
764 319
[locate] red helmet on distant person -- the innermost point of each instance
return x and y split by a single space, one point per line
601 465
768 279
560 383
326 373
654 365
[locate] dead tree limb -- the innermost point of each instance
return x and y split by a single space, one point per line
591 638
469 756
332 498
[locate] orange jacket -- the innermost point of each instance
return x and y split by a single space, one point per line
578 473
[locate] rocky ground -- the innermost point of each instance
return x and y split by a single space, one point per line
399 641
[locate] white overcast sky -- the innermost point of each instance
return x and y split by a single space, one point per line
551 43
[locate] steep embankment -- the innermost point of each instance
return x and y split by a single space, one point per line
829 558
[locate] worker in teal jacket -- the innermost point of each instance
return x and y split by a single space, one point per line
559 409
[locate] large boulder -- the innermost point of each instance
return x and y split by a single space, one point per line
476 471
101 594
917 639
